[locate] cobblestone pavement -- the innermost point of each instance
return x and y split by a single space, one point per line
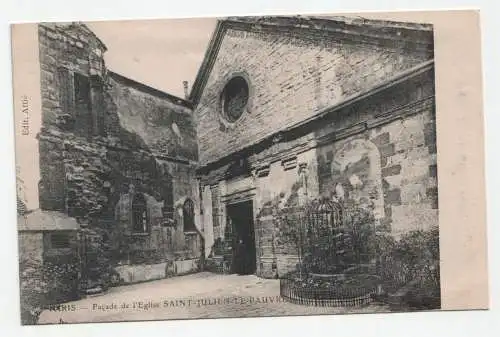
201 295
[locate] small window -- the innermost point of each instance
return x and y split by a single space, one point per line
235 98
83 107
168 200
75 101
140 221
66 91
188 216
59 240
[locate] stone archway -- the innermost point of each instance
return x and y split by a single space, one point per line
357 174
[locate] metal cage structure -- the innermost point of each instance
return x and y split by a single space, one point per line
336 265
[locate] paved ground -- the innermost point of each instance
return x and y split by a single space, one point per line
202 295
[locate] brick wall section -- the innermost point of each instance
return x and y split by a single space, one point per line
137 136
406 148
408 172
410 180
291 78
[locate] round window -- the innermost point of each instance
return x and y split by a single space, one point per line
234 98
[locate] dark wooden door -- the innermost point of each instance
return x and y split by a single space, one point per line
241 217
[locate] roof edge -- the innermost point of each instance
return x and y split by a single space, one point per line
325 25
212 49
315 21
63 27
149 90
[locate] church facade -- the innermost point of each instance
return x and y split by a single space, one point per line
293 109
283 110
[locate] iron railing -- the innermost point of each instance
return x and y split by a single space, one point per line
331 239
325 293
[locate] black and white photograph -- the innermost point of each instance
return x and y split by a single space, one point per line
245 166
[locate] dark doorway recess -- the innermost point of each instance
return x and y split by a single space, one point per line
241 218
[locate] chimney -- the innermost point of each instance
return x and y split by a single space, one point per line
186 92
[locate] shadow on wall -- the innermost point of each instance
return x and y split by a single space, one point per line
167 128
96 178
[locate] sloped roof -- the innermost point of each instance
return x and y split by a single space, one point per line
354 28
148 89
40 220
330 22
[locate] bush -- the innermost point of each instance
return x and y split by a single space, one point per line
33 290
326 245
45 284
329 236
411 261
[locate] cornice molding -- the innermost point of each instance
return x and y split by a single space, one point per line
308 125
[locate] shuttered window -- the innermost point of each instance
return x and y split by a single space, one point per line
66 97
83 107
75 99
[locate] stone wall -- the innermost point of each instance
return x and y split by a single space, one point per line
47 270
280 154
66 49
292 76
109 144
105 140
379 151
387 157
30 247
165 123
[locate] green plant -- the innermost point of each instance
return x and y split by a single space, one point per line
332 246
33 290
327 235
42 284
411 260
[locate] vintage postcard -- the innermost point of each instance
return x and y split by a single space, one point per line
249 166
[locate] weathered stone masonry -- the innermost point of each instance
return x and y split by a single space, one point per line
114 153
328 110
293 75
316 107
